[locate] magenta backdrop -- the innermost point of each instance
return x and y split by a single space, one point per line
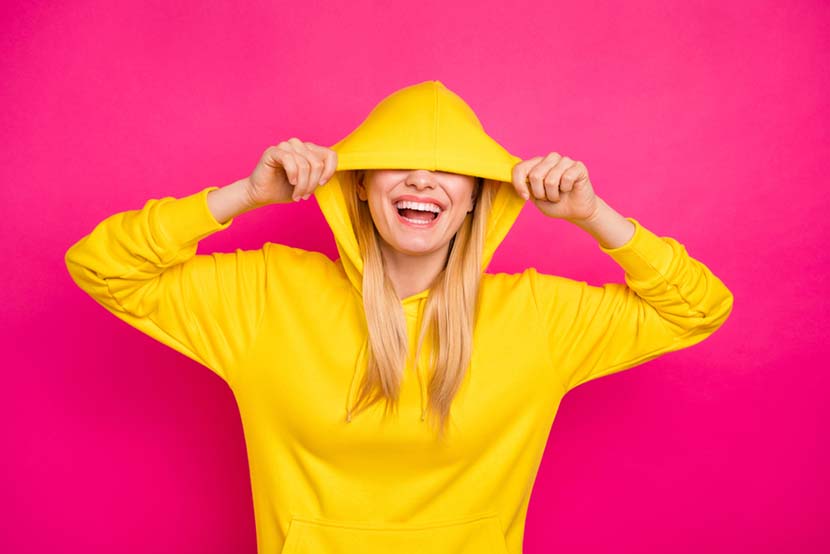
707 122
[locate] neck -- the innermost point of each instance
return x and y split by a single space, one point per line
413 274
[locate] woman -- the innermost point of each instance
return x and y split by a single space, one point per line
418 198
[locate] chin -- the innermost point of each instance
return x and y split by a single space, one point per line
415 247
415 250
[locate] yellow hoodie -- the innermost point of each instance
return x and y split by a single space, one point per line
284 327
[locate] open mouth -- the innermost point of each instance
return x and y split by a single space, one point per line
418 214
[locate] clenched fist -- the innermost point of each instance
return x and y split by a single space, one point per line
291 170
558 186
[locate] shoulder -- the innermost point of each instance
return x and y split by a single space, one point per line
276 251
526 284
290 262
509 282
507 289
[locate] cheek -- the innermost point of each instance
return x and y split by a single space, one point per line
463 198
379 212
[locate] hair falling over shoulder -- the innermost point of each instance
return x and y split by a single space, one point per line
448 317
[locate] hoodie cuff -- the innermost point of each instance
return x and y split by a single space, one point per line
643 255
187 220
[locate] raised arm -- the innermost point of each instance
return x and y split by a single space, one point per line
141 264
669 300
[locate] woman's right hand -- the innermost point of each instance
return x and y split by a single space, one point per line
290 171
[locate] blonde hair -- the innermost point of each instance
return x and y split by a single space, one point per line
449 314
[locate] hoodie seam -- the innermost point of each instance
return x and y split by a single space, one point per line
435 126
266 248
543 337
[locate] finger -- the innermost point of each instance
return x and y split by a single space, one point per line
297 170
331 166
551 190
554 176
285 158
518 181
538 175
571 175
329 158
520 171
317 162
303 167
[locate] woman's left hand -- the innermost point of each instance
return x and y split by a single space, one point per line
558 185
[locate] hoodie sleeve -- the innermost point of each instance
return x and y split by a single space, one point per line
669 301
141 265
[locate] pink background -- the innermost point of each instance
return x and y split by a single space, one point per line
707 122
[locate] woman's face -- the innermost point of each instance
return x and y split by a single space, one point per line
403 203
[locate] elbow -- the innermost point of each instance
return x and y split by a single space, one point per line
72 266
79 264
719 311
72 259
708 316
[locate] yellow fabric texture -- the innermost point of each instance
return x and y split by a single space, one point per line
284 327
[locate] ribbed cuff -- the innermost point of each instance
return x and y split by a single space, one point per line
187 220
644 254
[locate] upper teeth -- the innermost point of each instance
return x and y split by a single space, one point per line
423 206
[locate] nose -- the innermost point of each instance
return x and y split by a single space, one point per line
421 178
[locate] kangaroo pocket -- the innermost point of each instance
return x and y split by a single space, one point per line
479 534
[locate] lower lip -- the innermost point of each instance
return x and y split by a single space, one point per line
419 225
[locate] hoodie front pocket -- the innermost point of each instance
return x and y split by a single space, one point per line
479 534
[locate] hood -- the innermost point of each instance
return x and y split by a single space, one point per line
423 126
